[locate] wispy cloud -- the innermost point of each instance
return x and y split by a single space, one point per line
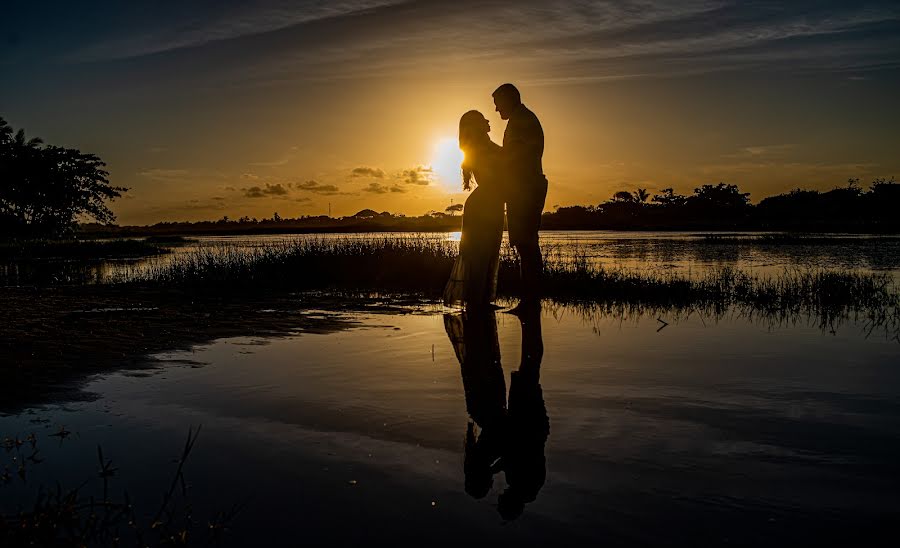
364 171
284 159
269 190
164 174
420 175
763 151
315 187
203 26
378 188
582 42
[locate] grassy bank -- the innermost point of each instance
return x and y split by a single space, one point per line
79 249
422 264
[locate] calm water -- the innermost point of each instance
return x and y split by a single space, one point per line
682 253
708 431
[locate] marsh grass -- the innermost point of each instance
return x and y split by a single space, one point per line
421 265
417 264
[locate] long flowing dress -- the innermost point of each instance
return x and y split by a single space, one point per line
473 280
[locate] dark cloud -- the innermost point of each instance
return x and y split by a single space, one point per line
364 171
269 190
417 176
315 187
376 188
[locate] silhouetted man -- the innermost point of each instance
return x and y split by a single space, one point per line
523 146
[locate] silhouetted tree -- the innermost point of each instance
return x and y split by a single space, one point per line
44 190
722 195
721 205
667 197
454 209
795 208
623 196
641 195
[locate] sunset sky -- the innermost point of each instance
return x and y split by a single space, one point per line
212 108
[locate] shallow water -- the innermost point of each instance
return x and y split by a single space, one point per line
704 431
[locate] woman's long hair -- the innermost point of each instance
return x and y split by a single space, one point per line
471 134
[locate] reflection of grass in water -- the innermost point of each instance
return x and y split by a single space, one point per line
422 265
79 249
63 517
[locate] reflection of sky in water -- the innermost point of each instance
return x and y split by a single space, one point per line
724 422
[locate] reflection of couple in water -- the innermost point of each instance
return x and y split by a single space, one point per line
511 174
508 434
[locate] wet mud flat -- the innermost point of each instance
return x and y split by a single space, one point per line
53 338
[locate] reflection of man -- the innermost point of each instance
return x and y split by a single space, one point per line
527 423
523 147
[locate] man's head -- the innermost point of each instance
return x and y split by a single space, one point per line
506 99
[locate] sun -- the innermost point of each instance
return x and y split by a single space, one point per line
445 160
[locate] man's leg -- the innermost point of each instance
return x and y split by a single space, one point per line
524 223
531 267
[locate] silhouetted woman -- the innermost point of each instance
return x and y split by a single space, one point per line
473 281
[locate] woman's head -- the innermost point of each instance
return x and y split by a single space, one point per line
473 131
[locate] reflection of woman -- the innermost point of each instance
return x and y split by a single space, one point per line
473 281
474 338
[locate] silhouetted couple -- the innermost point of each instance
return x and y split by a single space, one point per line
511 433
511 175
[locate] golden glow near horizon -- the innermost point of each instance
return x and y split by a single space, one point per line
339 113
445 161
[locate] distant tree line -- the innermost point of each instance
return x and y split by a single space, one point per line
367 220
721 206
46 189
724 207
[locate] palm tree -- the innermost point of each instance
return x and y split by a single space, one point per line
641 195
34 142
6 132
